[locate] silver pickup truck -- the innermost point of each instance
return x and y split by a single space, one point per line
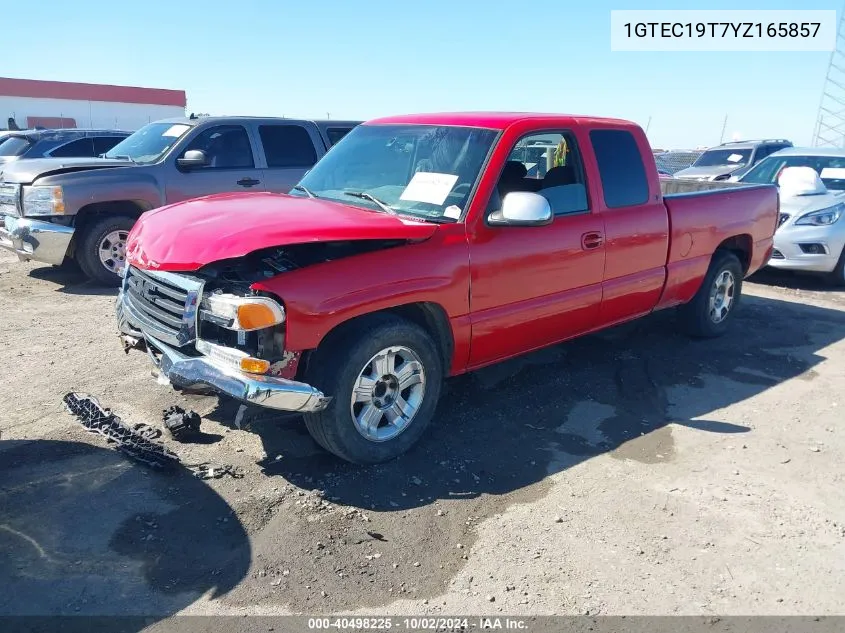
81 209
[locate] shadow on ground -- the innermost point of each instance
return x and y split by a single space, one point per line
795 280
71 280
85 531
620 392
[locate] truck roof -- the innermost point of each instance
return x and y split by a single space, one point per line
273 119
493 120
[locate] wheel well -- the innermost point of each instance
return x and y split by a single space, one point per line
739 245
429 316
91 212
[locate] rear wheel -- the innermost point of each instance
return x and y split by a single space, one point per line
384 376
101 251
710 312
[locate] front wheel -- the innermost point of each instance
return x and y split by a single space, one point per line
384 376
711 310
101 251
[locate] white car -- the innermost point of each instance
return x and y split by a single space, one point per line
811 232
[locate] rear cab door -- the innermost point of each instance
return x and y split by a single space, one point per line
232 165
627 195
287 149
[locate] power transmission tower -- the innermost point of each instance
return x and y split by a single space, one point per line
830 125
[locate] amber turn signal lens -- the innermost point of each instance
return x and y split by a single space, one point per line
255 365
253 316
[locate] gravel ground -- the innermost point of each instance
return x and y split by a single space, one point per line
629 472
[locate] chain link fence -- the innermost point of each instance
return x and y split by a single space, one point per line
673 161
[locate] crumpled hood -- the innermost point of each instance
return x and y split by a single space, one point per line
188 235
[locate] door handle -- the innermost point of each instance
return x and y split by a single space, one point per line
248 182
591 240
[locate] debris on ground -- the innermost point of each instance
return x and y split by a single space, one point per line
133 443
137 442
182 424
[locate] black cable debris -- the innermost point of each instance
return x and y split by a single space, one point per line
137 442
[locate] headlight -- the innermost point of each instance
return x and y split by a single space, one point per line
244 313
822 217
43 200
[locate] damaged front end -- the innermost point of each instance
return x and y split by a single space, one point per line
210 331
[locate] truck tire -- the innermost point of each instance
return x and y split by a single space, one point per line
101 250
396 373
710 312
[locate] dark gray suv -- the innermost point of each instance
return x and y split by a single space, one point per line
731 159
66 143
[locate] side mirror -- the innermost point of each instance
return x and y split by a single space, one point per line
522 208
192 159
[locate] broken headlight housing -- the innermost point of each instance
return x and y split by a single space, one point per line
243 332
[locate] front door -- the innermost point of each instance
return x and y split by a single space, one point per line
534 286
231 165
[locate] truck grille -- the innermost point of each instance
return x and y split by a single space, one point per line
163 304
9 199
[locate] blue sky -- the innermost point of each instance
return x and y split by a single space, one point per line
366 59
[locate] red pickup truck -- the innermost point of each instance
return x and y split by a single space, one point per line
422 247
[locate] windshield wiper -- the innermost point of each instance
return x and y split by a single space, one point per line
121 157
366 196
307 192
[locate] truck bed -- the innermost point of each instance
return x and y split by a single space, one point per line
706 215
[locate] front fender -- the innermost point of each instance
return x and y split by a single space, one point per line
81 189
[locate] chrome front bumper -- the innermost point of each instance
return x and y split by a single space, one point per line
34 239
191 372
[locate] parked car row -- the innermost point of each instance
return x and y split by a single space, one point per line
728 159
341 270
65 143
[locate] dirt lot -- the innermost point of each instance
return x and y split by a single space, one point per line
631 472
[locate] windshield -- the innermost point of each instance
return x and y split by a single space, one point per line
149 143
14 146
831 169
714 157
424 171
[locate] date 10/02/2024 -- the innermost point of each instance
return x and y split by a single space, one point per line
722 29
417 624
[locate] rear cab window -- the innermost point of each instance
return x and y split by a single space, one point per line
621 169
287 146
334 134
